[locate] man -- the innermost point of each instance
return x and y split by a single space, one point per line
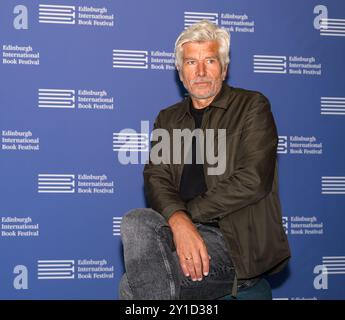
208 234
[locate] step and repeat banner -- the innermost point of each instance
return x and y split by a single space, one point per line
81 78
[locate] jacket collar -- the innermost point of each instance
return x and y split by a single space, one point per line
220 101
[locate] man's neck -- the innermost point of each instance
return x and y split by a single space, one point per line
201 103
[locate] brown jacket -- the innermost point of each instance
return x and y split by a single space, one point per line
244 199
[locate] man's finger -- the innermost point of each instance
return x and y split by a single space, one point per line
191 269
187 267
184 267
205 258
198 266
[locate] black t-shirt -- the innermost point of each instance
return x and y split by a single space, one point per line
193 179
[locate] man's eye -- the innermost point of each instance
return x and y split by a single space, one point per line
210 61
190 62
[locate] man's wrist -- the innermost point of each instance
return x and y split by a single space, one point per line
177 217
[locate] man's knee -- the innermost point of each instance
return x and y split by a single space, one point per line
138 220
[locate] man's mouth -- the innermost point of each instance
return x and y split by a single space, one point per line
202 83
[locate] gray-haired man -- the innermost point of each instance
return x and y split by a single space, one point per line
207 234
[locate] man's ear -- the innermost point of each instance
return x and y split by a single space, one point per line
225 71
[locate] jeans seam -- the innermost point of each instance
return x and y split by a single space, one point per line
168 269
128 294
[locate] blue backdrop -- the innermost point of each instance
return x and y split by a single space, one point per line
78 77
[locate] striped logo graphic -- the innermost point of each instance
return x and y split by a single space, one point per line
56 98
332 27
333 185
56 183
269 64
56 14
282 144
117 226
133 59
130 141
285 222
333 105
334 265
194 17
55 269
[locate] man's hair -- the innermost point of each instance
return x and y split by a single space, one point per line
204 31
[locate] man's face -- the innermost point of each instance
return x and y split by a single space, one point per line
201 71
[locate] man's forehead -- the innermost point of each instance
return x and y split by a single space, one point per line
193 43
209 47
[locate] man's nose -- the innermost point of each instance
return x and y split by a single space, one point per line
201 69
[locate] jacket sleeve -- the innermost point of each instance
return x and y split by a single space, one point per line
160 189
253 175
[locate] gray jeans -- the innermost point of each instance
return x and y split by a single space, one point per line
152 266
